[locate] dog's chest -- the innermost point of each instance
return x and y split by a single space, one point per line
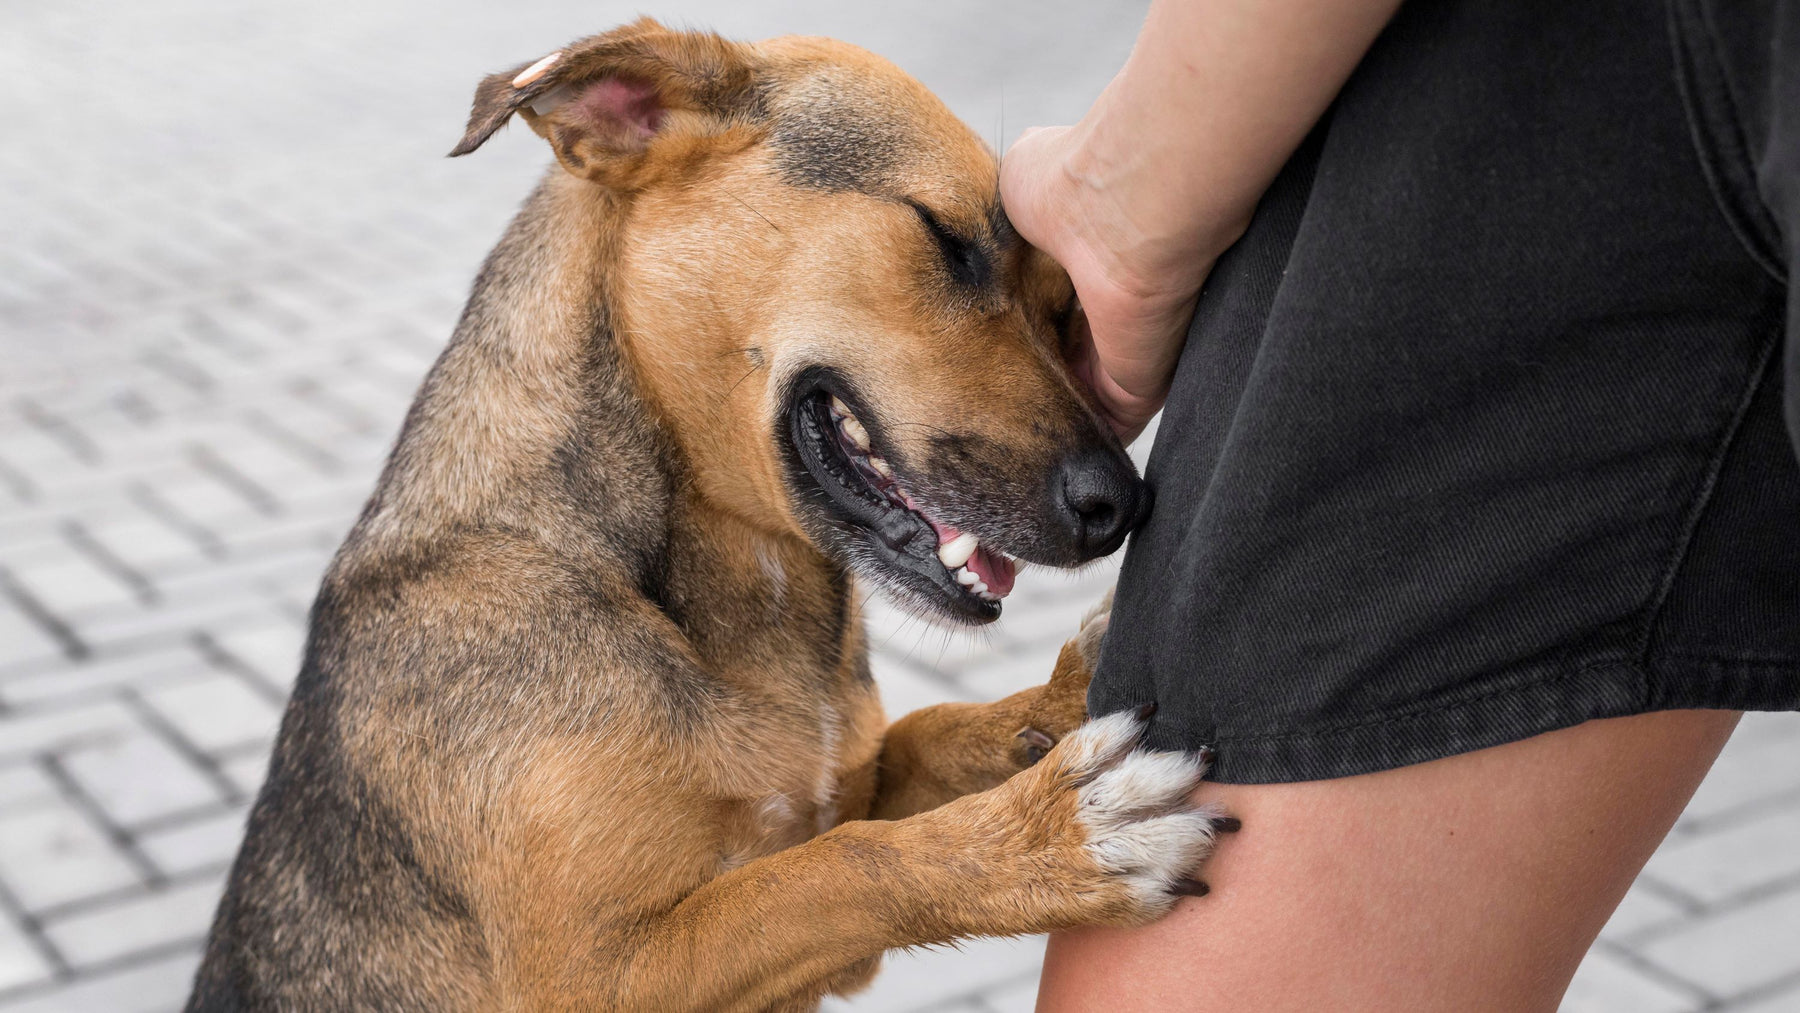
800 798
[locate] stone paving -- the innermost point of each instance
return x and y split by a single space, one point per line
229 248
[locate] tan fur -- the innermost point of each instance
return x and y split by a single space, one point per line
554 789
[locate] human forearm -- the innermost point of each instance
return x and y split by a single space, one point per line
1138 199
1214 98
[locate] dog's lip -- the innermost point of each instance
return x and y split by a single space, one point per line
877 506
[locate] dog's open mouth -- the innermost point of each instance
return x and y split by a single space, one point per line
865 494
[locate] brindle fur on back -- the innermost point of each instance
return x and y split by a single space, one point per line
586 690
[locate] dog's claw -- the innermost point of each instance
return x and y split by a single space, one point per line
1037 744
1190 888
1228 825
1144 711
1207 754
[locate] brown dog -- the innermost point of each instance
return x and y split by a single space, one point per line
586 702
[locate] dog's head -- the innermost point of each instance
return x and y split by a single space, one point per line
815 281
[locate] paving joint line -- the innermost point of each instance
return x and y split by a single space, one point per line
1738 815
1748 897
111 965
174 739
72 645
152 503
220 657
32 927
96 902
96 814
61 431
85 544
1658 973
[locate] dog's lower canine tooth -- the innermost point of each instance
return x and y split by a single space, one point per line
854 429
881 467
967 577
839 410
956 551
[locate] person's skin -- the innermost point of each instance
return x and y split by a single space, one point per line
1138 199
1475 882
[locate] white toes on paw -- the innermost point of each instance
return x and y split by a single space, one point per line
1142 782
1100 742
1140 824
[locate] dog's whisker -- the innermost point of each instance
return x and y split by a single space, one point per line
740 380
753 211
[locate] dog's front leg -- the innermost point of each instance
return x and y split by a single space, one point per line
1098 832
939 753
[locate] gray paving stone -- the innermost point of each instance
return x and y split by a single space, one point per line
247 771
1781 999
21 962
159 985
1018 997
1012 671
1736 951
139 777
1734 860
42 730
177 622
216 713
156 920
1641 910
933 978
904 689
1761 762
24 785
1606 984
23 641
271 649
68 584
145 543
142 667
197 844
52 855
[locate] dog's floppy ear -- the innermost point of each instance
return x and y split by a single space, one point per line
601 102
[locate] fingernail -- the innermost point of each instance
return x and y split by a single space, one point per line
1144 712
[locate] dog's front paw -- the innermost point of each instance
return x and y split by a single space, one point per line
1060 705
1118 821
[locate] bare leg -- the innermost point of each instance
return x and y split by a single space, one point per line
1475 882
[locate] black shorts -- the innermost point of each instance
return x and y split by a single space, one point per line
1487 425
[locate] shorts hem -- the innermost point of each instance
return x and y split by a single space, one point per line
1530 705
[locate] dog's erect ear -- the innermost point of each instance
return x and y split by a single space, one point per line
601 102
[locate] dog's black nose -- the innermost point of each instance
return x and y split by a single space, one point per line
1100 499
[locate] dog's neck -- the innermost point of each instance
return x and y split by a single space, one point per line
534 422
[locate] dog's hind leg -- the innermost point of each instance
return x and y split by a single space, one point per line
939 753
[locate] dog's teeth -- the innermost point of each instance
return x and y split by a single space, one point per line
854 429
838 408
957 551
978 587
881 467
967 578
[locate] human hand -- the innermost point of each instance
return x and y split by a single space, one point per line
1137 267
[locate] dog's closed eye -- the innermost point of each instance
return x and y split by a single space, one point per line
967 262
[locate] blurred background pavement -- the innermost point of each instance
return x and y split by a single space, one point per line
230 245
